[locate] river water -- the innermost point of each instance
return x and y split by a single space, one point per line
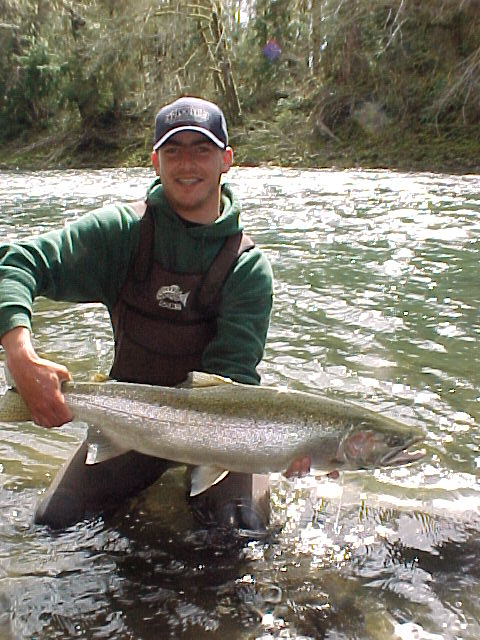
377 300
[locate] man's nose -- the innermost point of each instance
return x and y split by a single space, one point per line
186 157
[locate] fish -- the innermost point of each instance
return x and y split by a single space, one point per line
216 425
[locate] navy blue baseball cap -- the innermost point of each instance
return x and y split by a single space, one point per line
191 114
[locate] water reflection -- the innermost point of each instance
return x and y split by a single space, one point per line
376 300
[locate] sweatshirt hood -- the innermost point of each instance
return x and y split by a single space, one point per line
227 224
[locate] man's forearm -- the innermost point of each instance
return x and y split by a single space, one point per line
17 342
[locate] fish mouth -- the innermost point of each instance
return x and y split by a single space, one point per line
403 455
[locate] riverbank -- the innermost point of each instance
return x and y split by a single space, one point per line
456 151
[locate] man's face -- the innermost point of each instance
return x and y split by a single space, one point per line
190 166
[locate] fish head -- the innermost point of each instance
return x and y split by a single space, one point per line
369 448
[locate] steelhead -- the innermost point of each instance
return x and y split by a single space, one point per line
217 426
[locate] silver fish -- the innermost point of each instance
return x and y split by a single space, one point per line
217 426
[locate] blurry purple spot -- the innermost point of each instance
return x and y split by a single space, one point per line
272 50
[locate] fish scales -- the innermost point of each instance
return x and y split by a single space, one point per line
197 437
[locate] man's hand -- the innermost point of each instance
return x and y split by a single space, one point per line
299 468
37 380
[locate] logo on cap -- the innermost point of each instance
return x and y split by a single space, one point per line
186 113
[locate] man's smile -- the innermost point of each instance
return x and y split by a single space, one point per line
188 181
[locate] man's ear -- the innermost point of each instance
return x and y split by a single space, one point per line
227 159
156 162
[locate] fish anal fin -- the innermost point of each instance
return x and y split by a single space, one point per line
101 448
205 477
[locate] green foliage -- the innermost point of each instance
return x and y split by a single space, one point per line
348 70
31 90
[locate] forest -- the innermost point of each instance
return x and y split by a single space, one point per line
312 83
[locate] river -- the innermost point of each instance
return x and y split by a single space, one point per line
377 300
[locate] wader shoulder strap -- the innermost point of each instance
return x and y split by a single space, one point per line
232 249
219 270
144 257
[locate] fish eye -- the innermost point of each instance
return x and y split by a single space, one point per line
395 440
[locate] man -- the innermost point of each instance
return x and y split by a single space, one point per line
186 290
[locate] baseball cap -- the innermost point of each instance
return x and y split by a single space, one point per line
190 114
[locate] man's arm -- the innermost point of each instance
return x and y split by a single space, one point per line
37 380
84 261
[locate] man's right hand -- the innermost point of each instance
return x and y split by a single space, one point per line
37 380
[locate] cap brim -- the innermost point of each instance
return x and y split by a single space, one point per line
205 132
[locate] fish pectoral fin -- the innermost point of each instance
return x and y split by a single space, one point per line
205 477
198 379
101 448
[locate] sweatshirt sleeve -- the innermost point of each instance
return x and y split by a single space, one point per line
85 261
243 320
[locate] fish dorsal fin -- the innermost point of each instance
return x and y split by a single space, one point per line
205 477
101 448
197 379
98 376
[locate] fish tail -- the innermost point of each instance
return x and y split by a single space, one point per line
13 408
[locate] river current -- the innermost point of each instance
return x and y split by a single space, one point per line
377 300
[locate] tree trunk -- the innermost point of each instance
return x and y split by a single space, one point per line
316 17
213 35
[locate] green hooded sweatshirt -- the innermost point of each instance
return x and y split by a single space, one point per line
88 260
